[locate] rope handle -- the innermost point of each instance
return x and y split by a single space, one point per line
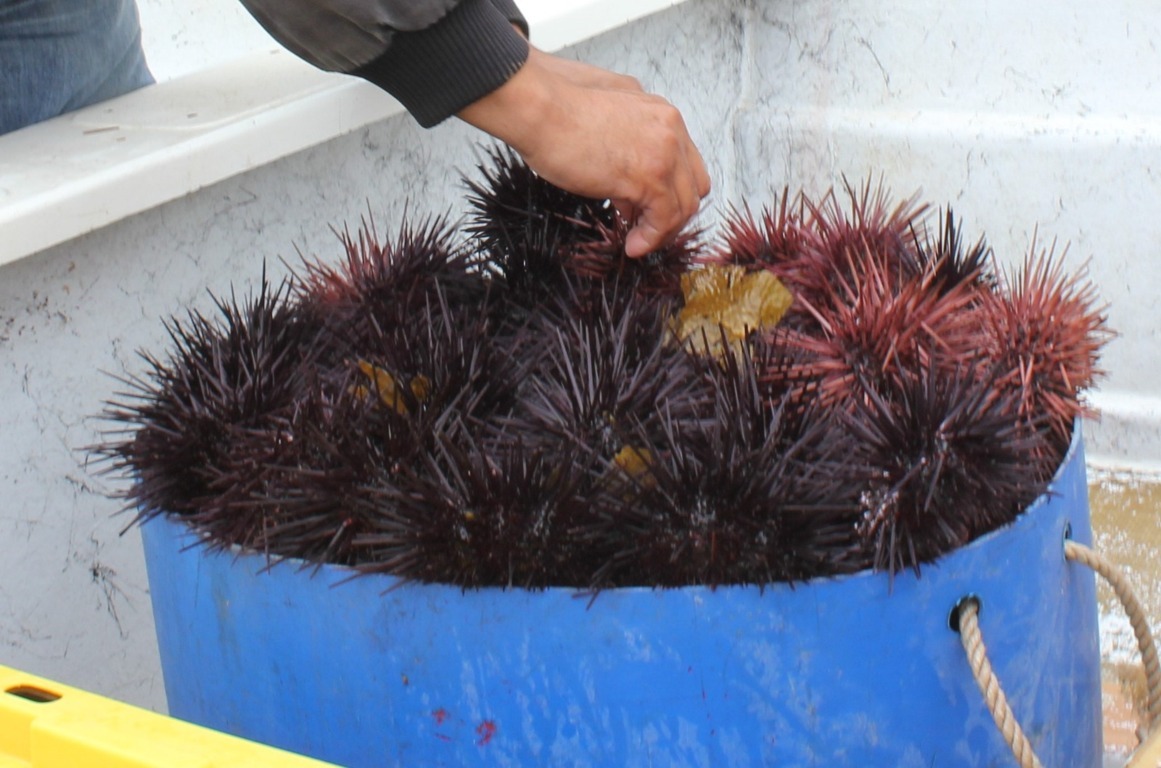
1137 618
967 615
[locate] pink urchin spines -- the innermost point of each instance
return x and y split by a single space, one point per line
877 326
775 238
403 266
1044 329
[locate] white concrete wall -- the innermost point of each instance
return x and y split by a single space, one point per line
1040 115
185 36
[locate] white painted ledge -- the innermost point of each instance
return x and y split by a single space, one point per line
87 169
1126 434
90 168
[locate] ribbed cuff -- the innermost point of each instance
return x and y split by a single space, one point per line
513 14
438 71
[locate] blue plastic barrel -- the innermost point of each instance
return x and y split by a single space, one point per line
845 671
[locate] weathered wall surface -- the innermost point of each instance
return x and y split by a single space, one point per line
1022 119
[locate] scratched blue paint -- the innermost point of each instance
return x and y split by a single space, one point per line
836 672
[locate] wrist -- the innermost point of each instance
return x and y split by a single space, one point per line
518 112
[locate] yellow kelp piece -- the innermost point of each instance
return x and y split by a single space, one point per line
728 298
386 388
634 462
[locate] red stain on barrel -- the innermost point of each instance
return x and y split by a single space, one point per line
485 730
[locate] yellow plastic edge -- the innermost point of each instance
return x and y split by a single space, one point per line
80 729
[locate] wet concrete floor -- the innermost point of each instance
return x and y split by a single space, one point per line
1126 517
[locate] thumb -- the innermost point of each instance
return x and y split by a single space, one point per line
643 238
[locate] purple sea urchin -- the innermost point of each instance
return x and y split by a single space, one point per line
475 516
528 228
443 359
303 494
656 273
946 460
602 371
949 263
224 374
729 498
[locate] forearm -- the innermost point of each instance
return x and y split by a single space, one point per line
516 111
435 56
592 132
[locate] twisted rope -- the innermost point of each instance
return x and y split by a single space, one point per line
989 684
1137 618
977 654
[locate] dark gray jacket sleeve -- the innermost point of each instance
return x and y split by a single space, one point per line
435 56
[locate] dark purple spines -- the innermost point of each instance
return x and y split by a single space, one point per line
526 228
225 374
945 460
729 498
477 515
598 373
511 406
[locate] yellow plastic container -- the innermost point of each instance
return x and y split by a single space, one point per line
47 725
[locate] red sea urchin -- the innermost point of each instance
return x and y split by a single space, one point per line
875 327
521 405
383 283
1044 330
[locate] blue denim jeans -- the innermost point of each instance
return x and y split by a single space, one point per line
60 55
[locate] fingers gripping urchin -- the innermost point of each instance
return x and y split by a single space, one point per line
643 157
673 181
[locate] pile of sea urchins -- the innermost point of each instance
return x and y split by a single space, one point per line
831 386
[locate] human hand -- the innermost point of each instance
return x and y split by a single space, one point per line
598 134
